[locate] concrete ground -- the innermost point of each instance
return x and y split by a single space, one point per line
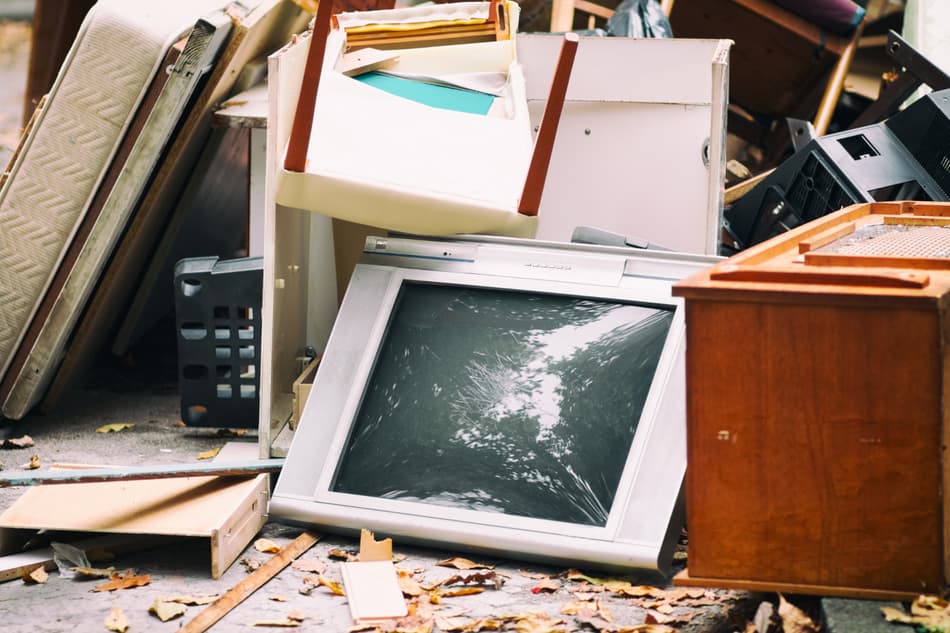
141 389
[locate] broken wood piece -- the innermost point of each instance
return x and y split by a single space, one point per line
234 596
373 550
82 476
372 590
367 60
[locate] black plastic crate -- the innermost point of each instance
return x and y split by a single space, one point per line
217 316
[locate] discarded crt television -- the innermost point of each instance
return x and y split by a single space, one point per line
517 397
906 157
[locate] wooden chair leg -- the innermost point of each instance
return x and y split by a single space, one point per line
562 15
836 83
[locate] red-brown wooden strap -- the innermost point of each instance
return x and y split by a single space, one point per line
296 159
544 143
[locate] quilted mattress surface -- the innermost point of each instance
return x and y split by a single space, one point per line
117 51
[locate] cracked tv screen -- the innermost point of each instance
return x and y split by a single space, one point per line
504 401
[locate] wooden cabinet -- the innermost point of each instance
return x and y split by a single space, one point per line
816 417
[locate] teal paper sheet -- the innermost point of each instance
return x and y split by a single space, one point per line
444 97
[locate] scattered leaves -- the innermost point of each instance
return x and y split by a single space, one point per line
794 620
928 612
535 622
266 546
588 609
209 454
279 598
463 625
93 572
33 464
436 595
166 610
463 563
475 578
230 432
649 627
116 620
533 575
548 585
287 623
309 565
35 576
124 581
115 427
180 423
17 442
309 584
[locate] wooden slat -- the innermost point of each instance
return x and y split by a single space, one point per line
130 473
237 594
825 238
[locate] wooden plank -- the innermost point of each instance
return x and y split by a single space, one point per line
685 579
826 238
878 261
237 594
822 277
134 473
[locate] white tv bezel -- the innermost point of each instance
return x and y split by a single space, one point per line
646 515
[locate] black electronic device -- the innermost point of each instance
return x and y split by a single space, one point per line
906 157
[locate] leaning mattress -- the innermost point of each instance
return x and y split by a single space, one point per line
119 48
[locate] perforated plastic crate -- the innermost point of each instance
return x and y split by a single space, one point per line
217 315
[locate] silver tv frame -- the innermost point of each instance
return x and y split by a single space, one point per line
647 513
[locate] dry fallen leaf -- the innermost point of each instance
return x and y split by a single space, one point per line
309 565
407 584
548 585
116 620
34 463
209 454
646 628
35 576
192 600
231 432
115 427
124 581
334 587
93 572
251 564
166 610
462 563
929 612
279 598
534 622
342 554
794 620
288 623
266 546
17 442
180 423
533 575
